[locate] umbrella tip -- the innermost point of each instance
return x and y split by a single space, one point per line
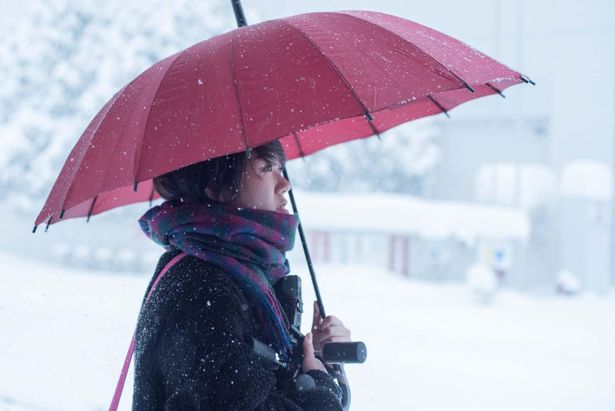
91 210
527 80
134 186
496 90
34 229
468 87
442 109
370 120
48 224
62 214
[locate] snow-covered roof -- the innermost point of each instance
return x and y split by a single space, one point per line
587 179
535 184
410 215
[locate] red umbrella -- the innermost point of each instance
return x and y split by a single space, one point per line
312 80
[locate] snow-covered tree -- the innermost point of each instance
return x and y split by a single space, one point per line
58 71
401 161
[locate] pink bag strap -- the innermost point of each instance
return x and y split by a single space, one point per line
120 384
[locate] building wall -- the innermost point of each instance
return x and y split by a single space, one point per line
585 243
413 256
469 144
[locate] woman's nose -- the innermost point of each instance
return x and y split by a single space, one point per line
283 184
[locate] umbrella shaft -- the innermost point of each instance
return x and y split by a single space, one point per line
305 249
241 22
239 16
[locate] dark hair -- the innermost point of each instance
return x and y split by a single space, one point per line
220 175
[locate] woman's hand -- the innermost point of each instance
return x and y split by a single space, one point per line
329 329
310 362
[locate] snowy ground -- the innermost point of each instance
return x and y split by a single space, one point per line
64 334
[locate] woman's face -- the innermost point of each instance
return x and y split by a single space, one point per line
262 186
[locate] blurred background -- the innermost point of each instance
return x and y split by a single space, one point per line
508 203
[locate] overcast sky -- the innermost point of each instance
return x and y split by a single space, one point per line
491 25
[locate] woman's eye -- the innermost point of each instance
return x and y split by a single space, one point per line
269 167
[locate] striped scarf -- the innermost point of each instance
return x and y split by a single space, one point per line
248 244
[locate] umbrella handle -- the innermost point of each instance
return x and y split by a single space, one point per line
342 379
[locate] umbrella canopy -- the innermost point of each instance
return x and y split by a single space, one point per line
312 80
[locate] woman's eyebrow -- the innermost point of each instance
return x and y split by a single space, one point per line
273 160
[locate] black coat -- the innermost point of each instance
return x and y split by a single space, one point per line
191 353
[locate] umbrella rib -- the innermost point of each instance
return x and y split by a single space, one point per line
236 91
138 151
496 90
108 166
439 105
367 114
91 209
298 142
448 70
76 169
48 223
94 135
151 195
526 79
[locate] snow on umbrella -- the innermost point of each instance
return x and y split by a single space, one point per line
312 80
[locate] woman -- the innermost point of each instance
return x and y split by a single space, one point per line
227 220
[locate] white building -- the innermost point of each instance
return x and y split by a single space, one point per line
569 50
416 238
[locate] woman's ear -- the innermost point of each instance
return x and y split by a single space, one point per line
210 194
223 197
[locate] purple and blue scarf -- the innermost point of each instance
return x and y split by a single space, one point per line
248 244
